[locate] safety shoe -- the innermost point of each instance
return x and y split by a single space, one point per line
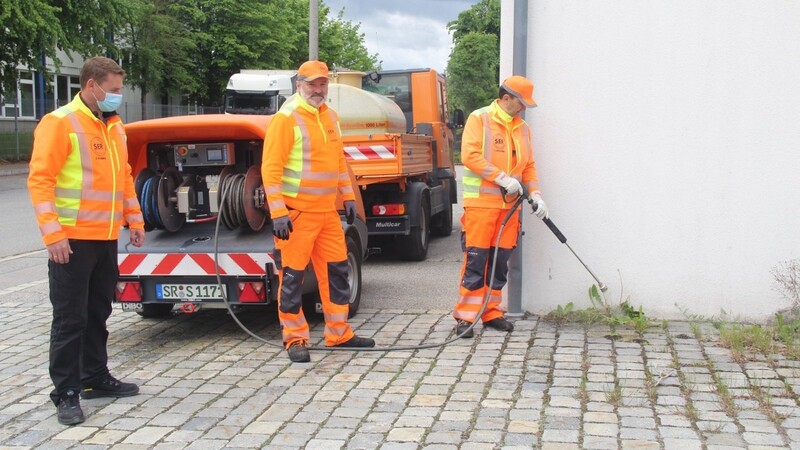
357 342
108 386
69 409
463 330
298 351
501 323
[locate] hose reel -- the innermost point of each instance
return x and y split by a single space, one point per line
244 205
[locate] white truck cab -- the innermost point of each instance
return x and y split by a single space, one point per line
259 92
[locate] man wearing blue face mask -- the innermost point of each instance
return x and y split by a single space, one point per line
82 192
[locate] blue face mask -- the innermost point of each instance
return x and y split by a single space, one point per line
110 103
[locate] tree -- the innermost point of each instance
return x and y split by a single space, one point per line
472 71
483 17
159 48
474 64
31 30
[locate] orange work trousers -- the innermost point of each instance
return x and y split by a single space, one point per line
317 236
481 227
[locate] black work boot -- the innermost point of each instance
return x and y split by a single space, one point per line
357 342
298 351
108 386
463 329
501 323
69 409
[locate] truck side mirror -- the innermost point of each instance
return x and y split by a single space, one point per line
458 119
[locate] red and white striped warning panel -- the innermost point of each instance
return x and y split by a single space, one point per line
196 264
369 152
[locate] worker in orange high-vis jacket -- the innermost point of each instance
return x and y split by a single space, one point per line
497 153
82 192
304 170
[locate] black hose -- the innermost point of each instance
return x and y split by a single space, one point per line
485 303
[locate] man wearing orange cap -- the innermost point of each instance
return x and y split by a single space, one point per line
497 153
303 171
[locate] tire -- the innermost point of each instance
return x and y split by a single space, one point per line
414 247
354 261
442 223
155 310
312 303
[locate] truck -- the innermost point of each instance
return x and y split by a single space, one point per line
198 181
260 92
406 177
398 139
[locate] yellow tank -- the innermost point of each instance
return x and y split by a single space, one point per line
362 112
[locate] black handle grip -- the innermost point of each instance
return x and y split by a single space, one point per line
555 230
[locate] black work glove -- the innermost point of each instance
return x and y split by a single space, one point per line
350 211
281 227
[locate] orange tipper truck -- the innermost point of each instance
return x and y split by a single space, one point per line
190 172
401 152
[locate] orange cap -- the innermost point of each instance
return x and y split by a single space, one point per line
311 70
520 87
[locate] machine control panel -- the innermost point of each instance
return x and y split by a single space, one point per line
206 154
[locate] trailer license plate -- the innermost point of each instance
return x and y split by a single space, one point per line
189 291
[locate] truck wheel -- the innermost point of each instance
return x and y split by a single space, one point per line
414 247
312 304
354 260
442 223
155 311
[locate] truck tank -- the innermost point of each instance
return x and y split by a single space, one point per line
362 112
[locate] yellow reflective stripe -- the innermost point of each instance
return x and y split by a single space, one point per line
471 184
83 148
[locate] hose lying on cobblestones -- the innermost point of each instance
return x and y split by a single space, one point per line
517 202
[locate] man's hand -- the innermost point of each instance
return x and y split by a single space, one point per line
350 211
137 237
510 184
282 227
540 208
59 252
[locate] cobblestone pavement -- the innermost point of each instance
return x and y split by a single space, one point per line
205 384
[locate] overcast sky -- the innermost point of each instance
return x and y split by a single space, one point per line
405 33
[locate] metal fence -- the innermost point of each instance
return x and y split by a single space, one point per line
16 133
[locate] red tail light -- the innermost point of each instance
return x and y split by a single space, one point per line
129 291
251 292
390 209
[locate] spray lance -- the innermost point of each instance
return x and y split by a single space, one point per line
563 239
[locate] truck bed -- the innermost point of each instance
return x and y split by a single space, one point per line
381 158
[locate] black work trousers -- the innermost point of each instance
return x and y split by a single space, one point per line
81 292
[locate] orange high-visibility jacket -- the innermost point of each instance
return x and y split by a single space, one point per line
493 144
303 164
80 180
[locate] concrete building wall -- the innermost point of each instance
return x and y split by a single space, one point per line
667 141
